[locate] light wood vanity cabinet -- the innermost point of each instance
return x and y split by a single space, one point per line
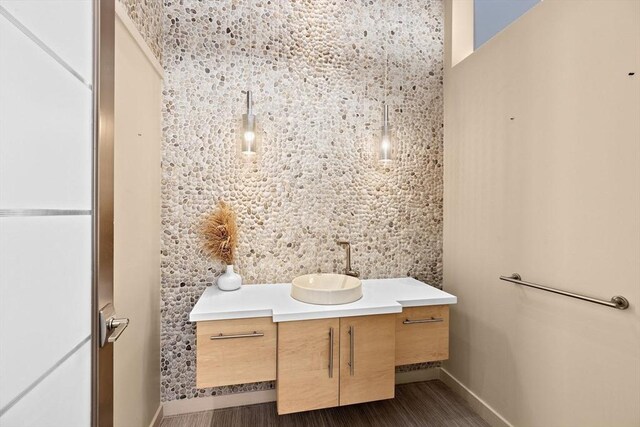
331 362
235 351
321 363
308 365
367 356
422 334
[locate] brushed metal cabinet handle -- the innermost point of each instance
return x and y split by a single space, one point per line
429 320
221 336
330 352
352 345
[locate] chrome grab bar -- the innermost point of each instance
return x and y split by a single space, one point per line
221 336
429 320
617 301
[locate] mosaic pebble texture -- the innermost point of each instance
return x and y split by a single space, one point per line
317 75
148 17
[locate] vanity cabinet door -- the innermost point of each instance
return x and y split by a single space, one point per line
367 358
308 373
422 334
235 351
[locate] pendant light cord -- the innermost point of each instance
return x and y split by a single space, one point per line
386 57
250 44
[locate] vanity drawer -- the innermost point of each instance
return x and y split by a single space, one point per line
235 351
422 334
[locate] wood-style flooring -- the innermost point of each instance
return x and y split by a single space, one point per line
429 403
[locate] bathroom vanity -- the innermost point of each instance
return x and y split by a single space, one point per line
319 355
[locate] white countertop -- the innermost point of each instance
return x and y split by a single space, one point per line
379 296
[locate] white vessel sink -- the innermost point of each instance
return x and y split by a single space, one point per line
325 288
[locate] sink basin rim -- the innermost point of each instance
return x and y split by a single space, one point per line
347 292
299 281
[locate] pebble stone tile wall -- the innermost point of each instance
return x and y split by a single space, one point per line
147 15
317 72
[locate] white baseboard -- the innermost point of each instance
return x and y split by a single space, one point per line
199 404
481 407
157 418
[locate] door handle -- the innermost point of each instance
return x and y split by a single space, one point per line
111 327
117 326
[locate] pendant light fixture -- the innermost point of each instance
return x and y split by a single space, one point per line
385 154
386 144
249 145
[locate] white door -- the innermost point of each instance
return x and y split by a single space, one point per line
49 212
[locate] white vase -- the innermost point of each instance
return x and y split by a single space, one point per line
229 280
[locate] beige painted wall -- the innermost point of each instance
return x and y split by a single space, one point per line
553 194
138 89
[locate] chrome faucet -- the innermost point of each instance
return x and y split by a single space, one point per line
348 271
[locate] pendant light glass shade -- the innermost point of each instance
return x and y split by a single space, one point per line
249 138
249 135
386 147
